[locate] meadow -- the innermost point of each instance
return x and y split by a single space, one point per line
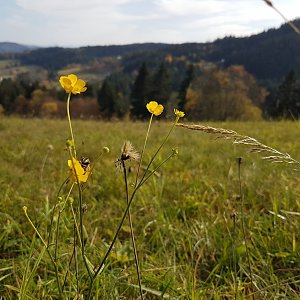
206 227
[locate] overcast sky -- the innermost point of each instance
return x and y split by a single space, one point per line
74 23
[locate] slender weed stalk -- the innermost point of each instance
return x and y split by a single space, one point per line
242 199
136 259
48 252
234 257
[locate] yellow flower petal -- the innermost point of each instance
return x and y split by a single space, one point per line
158 110
75 168
155 108
73 78
71 84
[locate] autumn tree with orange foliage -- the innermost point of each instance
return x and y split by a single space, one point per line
230 94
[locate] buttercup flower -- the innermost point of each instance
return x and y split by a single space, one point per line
71 84
178 113
83 171
155 108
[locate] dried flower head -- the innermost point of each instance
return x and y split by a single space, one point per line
128 152
72 84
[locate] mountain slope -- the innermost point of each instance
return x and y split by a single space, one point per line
8 47
268 55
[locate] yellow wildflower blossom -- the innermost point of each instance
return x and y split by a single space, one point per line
76 168
178 113
155 108
71 84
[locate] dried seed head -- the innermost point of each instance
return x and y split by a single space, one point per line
128 152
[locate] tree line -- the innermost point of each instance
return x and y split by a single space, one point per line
203 91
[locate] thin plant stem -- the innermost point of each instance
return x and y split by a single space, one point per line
47 249
75 223
243 222
154 170
101 265
53 211
67 272
155 154
143 150
234 257
75 259
80 217
58 223
136 259
70 124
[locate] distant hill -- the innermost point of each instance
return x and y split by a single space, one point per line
8 47
268 55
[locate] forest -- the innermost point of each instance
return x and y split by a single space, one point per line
250 78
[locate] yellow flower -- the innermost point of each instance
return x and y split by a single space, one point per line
178 113
155 108
76 168
71 84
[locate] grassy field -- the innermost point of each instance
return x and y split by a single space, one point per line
192 232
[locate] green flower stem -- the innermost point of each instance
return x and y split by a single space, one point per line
101 265
70 124
75 222
47 249
143 150
53 211
158 167
80 217
67 198
136 259
58 222
159 148
243 222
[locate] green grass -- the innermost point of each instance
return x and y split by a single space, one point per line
184 217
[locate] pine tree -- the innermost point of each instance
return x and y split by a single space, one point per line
8 94
288 97
140 92
189 77
161 89
106 99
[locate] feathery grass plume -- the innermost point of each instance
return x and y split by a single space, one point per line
269 154
291 24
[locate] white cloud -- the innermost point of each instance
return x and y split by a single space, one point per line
44 6
190 7
97 22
